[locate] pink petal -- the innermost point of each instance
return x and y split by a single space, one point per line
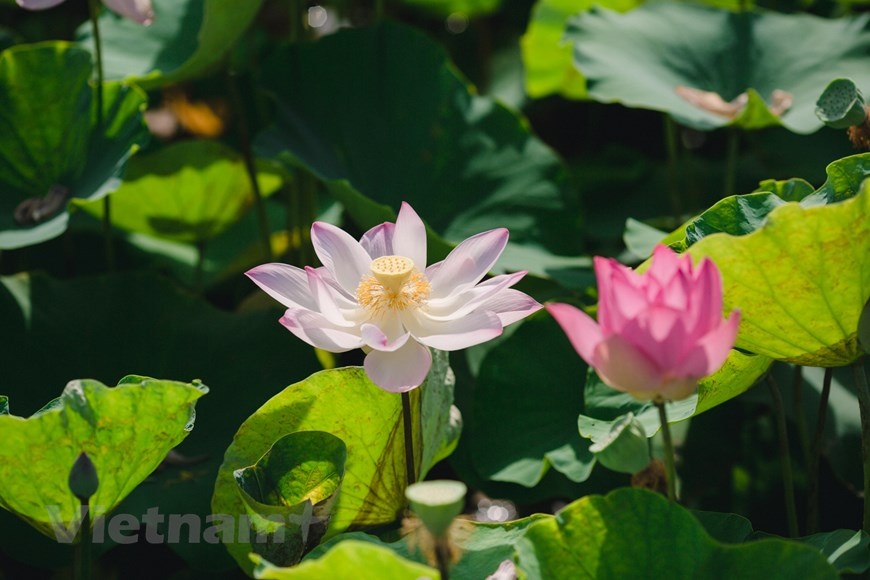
378 241
711 351
462 303
286 284
625 300
317 331
625 368
674 390
665 264
399 371
468 263
660 334
38 4
511 305
375 338
705 309
410 236
474 328
138 10
583 333
342 255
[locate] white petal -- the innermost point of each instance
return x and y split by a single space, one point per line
469 330
511 305
409 239
323 296
342 255
38 4
468 263
462 303
399 371
378 241
316 330
375 339
138 10
286 284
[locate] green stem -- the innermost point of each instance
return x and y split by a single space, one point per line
669 451
864 404
731 162
815 459
200 267
442 556
673 169
407 423
784 457
94 6
800 416
379 10
82 554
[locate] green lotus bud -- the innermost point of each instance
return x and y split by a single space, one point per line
625 448
864 328
841 105
83 480
437 503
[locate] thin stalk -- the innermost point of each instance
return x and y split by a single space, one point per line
442 556
248 155
379 10
200 266
410 464
669 451
731 162
784 457
673 169
800 417
815 460
864 404
94 6
307 212
82 554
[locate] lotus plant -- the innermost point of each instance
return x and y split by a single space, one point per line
378 294
138 10
657 333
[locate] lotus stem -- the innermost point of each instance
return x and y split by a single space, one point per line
784 457
669 451
442 556
731 162
379 13
94 7
200 267
864 404
815 459
800 417
410 469
673 172
82 554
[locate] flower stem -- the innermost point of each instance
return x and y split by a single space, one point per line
410 464
442 556
815 459
864 404
669 451
800 417
82 554
94 7
673 170
200 267
731 162
784 457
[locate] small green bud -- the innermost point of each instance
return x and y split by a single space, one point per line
437 503
83 480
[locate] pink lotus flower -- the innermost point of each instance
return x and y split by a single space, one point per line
138 10
657 332
378 294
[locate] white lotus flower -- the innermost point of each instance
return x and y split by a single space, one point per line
138 10
378 294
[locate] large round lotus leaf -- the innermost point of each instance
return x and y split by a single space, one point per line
345 403
665 46
800 281
188 192
547 59
50 146
126 431
396 123
633 533
186 39
349 559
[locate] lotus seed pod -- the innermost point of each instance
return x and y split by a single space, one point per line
437 503
625 448
83 479
841 105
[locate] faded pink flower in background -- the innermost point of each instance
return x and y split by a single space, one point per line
657 333
378 294
138 10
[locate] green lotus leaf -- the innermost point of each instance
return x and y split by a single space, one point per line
51 148
349 559
633 533
126 431
466 163
345 403
188 192
187 39
289 494
444 8
712 57
800 281
546 57
117 321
